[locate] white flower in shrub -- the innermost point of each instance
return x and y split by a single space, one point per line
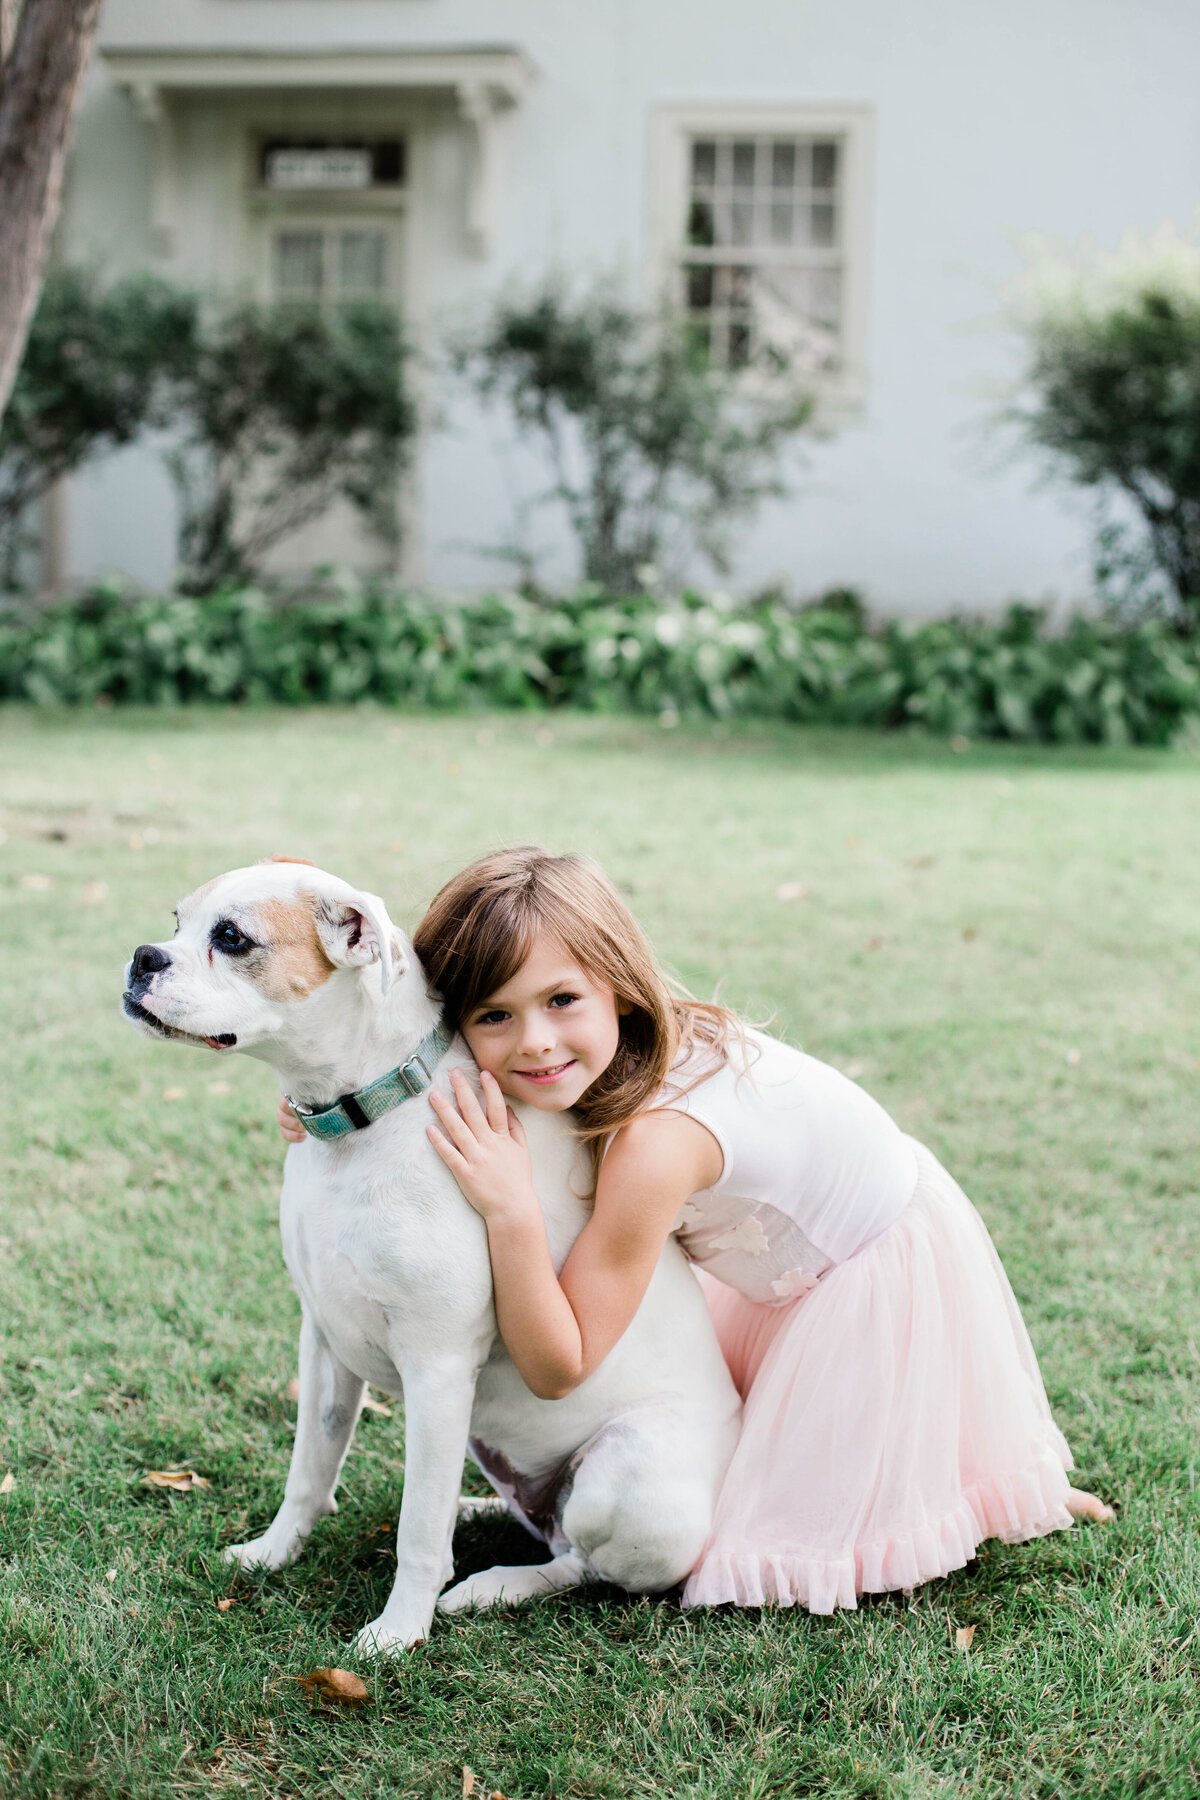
743 634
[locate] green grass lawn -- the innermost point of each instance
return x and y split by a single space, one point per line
1003 945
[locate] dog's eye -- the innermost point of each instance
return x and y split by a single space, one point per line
229 939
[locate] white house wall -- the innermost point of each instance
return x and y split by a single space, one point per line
989 122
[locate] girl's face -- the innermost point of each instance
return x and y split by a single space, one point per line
547 1034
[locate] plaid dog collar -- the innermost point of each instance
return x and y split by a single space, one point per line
354 1112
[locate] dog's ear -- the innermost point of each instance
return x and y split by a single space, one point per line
355 930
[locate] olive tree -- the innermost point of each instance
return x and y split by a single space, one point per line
651 449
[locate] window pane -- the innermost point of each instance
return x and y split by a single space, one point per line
782 222
361 268
701 226
299 264
743 165
783 165
743 222
824 165
699 287
822 223
704 162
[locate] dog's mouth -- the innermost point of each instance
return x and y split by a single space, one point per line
223 1040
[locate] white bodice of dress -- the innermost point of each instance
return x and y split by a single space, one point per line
814 1169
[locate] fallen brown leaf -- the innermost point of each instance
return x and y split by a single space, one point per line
963 1636
224 1605
468 1785
970 933
180 1481
292 1390
376 1406
337 1686
170 1094
94 893
8 1484
37 884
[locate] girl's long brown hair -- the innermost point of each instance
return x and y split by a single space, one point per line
481 927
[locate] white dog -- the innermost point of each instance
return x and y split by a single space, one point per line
391 1265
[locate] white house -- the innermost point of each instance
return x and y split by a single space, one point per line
869 165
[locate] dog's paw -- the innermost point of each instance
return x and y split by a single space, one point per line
513 1584
380 1639
264 1554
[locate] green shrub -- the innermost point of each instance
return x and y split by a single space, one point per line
1094 682
273 412
281 409
95 373
643 437
1112 383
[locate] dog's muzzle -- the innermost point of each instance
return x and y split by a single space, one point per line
147 961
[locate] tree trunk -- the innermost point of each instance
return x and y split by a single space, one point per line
39 85
8 29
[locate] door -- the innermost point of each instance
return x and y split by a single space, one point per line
335 261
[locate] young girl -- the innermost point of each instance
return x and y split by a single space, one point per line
894 1413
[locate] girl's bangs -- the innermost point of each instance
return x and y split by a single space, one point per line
491 946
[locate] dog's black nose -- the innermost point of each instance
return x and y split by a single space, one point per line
148 959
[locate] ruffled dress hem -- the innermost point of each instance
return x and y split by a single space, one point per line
1029 1504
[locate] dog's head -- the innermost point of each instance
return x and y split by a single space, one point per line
251 945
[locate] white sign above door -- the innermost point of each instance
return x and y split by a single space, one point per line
328 168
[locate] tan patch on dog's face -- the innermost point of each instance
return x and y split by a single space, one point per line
292 960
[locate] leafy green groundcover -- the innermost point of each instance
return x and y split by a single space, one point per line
1095 680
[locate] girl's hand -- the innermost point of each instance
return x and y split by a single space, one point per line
289 1124
484 1150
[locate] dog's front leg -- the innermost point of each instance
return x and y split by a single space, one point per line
437 1410
331 1397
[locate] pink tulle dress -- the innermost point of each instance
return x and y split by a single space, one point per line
894 1413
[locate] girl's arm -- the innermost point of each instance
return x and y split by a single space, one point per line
558 1329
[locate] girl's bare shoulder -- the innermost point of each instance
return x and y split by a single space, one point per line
666 1146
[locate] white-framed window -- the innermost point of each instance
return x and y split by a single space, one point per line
314 259
759 231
